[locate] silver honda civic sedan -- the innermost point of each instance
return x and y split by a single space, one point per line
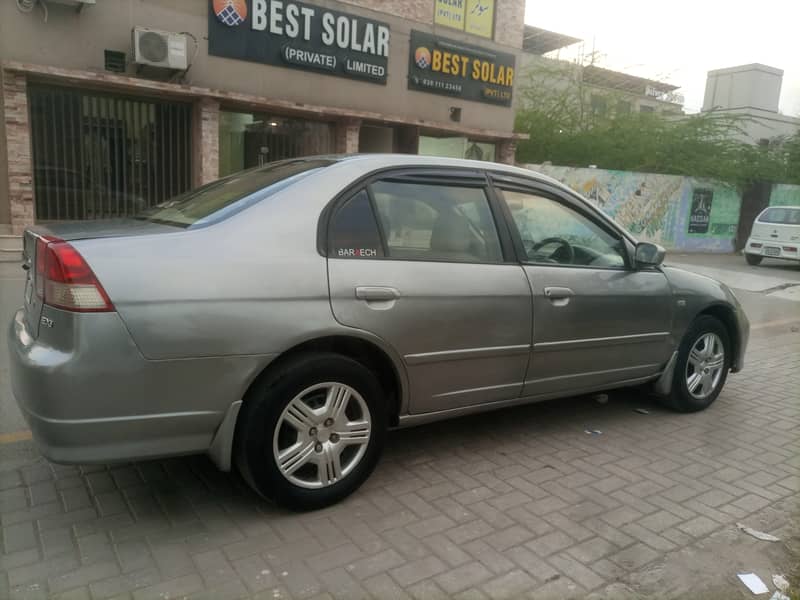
282 319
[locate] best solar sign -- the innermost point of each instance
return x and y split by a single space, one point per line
443 66
300 36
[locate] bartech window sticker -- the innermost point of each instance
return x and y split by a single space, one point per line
357 253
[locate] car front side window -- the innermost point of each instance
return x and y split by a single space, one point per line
553 233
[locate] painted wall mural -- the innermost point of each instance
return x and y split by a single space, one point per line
680 213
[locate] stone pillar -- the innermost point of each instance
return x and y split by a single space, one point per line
347 136
205 159
506 151
18 150
509 22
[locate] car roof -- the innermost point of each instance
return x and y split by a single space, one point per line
380 161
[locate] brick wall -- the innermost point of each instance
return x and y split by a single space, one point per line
509 20
5 214
347 136
509 16
18 149
205 167
506 151
414 10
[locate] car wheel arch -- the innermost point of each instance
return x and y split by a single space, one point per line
727 316
390 373
367 352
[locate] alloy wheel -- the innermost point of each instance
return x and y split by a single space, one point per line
321 435
704 365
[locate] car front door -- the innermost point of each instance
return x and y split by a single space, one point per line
597 321
417 259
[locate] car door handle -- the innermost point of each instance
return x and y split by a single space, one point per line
556 293
558 296
372 293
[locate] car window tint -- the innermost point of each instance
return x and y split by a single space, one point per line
354 232
553 233
436 222
781 215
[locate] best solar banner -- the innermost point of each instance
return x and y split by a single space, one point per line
443 66
299 36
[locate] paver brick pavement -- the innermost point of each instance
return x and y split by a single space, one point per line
517 503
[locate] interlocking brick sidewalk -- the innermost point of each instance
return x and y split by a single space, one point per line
518 503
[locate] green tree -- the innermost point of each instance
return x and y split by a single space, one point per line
790 158
557 110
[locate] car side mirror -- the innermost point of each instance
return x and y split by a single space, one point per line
649 255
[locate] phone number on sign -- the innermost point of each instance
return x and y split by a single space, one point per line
441 85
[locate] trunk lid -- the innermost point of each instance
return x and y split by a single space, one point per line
71 231
82 230
776 232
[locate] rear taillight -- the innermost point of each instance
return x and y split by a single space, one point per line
789 249
64 279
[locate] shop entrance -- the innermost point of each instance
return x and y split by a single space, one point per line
99 155
373 138
253 139
456 147
403 139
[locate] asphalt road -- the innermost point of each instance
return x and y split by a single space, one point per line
770 293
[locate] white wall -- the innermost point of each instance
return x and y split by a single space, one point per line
761 124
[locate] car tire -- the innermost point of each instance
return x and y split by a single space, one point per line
707 337
753 259
269 442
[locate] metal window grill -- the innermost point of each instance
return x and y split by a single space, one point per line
99 155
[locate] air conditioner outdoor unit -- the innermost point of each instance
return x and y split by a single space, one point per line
160 48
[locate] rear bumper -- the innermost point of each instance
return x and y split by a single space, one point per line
772 249
84 441
101 401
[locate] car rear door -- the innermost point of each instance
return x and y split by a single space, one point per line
416 258
596 320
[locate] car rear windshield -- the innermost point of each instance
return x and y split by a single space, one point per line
222 198
782 215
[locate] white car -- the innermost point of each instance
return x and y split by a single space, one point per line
775 234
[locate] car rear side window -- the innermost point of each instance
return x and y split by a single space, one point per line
354 232
222 198
781 215
436 222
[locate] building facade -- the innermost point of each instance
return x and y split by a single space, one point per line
110 107
751 93
604 93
